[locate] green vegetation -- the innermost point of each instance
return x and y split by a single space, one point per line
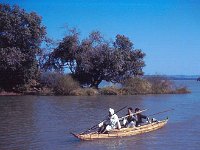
59 84
94 58
84 92
110 91
133 86
150 85
21 35
28 68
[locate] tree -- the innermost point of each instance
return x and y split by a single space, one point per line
21 35
94 59
129 61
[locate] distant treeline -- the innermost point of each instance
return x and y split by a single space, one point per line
31 63
180 77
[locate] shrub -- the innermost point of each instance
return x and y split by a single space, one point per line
160 84
60 83
84 92
136 86
110 91
49 79
65 84
182 90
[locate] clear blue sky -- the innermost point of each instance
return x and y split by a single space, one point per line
168 31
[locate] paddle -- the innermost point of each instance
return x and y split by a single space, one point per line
95 126
161 112
133 114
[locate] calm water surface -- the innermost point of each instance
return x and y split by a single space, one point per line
41 122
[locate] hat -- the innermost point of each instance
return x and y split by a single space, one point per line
111 111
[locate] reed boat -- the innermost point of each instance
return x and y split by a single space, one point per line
123 132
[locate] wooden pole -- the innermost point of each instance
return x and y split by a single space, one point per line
133 114
94 127
161 112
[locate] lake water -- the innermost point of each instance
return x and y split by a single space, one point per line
44 123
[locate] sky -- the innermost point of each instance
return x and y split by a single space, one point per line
168 31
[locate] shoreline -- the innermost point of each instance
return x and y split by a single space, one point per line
134 86
92 92
10 94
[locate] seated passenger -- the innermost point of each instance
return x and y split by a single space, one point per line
112 122
139 117
129 121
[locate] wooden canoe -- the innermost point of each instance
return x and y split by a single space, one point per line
124 132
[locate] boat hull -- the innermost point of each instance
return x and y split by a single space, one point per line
124 132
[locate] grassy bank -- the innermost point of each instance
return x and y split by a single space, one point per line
141 86
4 93
59 84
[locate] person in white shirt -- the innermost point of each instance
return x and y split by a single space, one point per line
112 122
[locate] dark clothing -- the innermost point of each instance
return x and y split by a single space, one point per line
130 118
139 118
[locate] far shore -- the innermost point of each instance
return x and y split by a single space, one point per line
3 93
93 92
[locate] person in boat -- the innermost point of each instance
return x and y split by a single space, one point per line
129 120
139 117
112 122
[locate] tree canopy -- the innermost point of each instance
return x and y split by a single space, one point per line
21 35
94 59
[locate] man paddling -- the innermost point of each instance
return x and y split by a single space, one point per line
112 122
139 117
129 121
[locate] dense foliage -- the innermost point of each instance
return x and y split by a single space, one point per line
95 59
21 34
